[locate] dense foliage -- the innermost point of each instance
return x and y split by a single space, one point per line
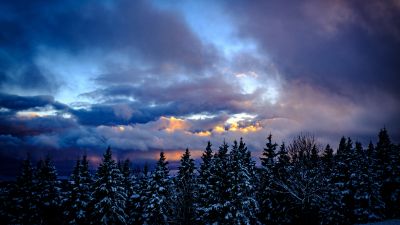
298 183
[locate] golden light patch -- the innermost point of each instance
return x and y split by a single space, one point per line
176 155
252 128
234 127
203 133
172 124
173 155
219 129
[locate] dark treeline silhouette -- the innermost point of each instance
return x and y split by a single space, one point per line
298 183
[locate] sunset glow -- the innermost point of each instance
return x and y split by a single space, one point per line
144 76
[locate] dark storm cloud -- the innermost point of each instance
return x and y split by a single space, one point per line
347 46
17 103
154 98
114 114
18 126
135 28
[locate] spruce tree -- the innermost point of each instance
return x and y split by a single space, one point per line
206 186
127 175
109 194
219 200
269 153
25 205
280 212
139 197
79 196
242 204
48 192
388 166
128 183
267 189
341 177
327 157
158 209
368 204
185 185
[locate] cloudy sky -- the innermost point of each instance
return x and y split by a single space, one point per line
144 76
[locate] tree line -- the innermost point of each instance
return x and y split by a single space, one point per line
298 183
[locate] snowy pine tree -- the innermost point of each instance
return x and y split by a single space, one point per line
341 177
127 175
139 197
79 196
25 210
368 204
157 208
206 187
48 192
267 189
281 211
388 169
242 204
129 186
185 190
109 195
327 159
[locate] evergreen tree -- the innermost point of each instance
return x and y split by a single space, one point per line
139 197
280 212
368 204
79 196
206 186
8 212
242 204
48 192
109 195
25 205
314 156
388 169
185 183
126 171
341 177
157 209
327 159
220 199
282 163
269 153
267 190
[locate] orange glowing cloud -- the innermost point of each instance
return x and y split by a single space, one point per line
248 129
172 124
176 155
203 133
219 129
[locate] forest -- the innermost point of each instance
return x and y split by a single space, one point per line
296 183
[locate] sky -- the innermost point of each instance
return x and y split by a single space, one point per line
143 76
